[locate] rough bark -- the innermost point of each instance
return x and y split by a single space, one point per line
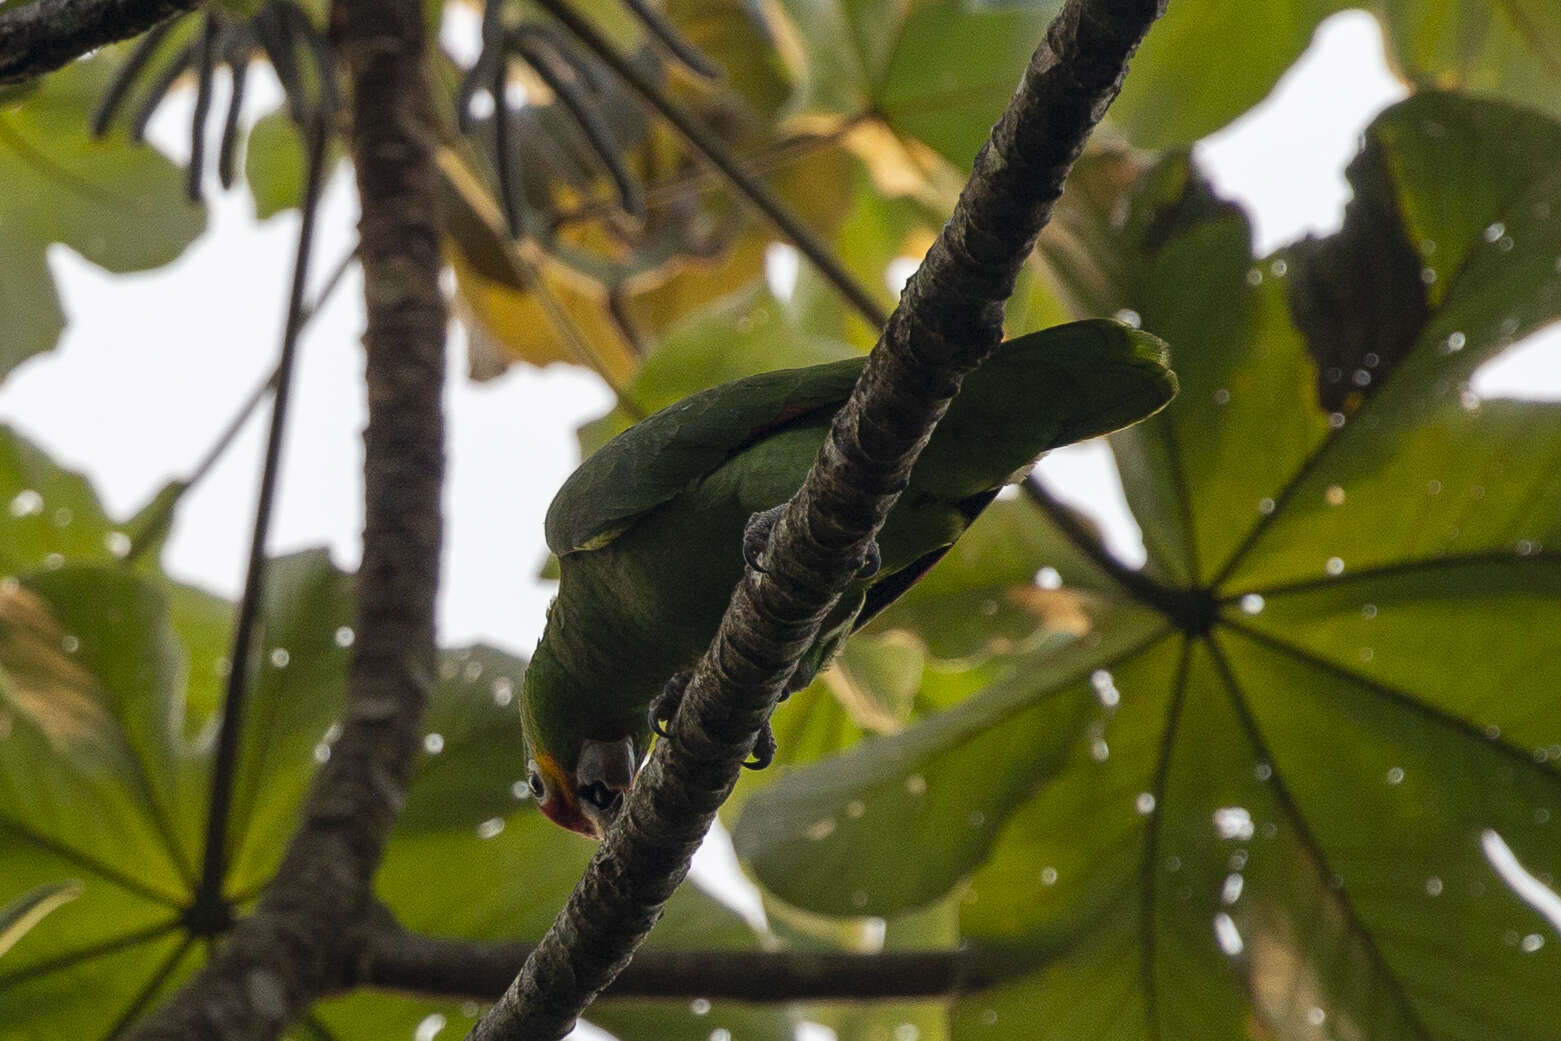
292 949
42 36
948 321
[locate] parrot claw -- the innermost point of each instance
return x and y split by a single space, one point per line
763 749
756 539
665 705
756 536
872 560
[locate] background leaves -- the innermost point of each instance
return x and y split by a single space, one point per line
1276 813
117 204
1248 791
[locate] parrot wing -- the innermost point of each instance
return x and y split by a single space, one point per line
1036 392
656 458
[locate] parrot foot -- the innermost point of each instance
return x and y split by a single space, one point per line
756 539
665 705
872 560
763 749
756 536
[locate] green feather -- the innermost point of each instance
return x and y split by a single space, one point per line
648 530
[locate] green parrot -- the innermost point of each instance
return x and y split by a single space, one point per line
652 532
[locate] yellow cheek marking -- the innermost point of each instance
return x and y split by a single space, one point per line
555 777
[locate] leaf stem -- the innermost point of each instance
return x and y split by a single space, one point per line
154 983
1313 847
209 903
1146 590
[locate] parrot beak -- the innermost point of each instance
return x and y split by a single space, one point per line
605 771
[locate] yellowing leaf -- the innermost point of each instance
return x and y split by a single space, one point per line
518 308
39 679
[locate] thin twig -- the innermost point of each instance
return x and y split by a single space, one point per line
949 320
237 58
598 136
677 45
697 179
124 78
332 281
714 151
205 60
160 86
209 900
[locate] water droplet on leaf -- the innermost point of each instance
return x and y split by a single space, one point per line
27 503
1233 822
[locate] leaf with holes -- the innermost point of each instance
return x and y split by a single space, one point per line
1315 788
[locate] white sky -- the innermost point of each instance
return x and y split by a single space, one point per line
153 365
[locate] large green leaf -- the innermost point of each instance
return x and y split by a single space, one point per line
1280 820
95 784
1505 48
118 204
276 163
1256 44
1173 96
937 72
100 783
930 787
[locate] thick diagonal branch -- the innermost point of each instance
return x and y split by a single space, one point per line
948 321
42 36
289 952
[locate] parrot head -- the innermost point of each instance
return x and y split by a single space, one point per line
578 781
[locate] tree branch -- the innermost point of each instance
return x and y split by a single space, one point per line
41 36
289 951
461 969
949 320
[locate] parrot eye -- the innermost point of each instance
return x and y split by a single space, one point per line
603 798
538 788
